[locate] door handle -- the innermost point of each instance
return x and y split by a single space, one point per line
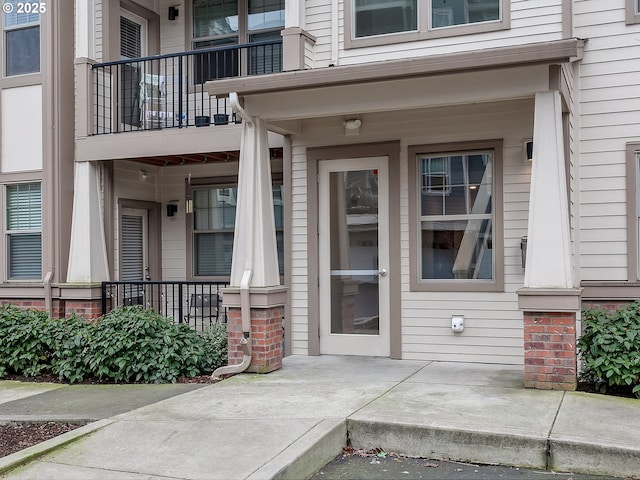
382 272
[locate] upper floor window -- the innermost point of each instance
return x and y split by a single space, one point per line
373 22
23 231
379 17
219 23
21 38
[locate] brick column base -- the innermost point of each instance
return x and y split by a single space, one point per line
266 338
550 361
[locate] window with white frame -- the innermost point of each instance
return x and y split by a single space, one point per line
380 17
219 23
214 216
456 216
23 229
449 13
21 37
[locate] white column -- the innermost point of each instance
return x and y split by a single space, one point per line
549 262
88 251
84 41
293 13
254 239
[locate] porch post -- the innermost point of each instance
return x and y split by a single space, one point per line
549 298
255 298
88 252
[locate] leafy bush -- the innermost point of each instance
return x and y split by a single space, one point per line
129 344
610 347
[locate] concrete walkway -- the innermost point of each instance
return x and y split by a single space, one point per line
290 423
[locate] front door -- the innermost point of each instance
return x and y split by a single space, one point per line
354 256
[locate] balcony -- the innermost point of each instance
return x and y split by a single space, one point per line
166 91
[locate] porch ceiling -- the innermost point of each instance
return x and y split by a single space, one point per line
198 158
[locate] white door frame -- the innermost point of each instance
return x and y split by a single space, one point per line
354 344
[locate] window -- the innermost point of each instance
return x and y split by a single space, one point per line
24 231
447 13
455 226
380 17
379 22
633 211
21 40
220 23
214 217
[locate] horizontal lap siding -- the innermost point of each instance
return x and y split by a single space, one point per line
531 21
608 109
493 323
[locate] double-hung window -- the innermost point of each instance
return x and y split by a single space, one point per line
23 231
456 217
214 216
224 23
388 21
21 38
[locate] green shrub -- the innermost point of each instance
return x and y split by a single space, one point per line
610 347
129 344
26 341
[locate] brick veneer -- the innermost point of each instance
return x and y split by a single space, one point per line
89 309
266 335
550 361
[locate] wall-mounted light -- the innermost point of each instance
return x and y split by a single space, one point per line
173 13
528 149
352 126
172 209
143 175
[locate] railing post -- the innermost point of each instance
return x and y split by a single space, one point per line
104 298
180 93
180 311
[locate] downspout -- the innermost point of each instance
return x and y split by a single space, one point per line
245 302
48 301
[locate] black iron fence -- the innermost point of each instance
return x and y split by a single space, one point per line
167 91
198 304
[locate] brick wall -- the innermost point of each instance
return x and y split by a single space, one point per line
550 360
89 309
266 335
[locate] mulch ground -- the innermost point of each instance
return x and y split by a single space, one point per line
18 436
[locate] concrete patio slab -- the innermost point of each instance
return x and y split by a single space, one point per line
85 403
603 439
497 376
13 390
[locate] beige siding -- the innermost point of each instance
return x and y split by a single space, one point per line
531 21
493 324
98 30
608 119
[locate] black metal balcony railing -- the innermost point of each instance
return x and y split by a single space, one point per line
198 304
166 91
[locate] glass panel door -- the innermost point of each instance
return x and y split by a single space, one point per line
354 257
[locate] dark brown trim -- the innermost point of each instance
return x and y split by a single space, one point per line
417 284
549 299
610 291
560 51
567 18
631 12
631 153
108 216
391 150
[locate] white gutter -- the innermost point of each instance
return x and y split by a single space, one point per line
235 104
